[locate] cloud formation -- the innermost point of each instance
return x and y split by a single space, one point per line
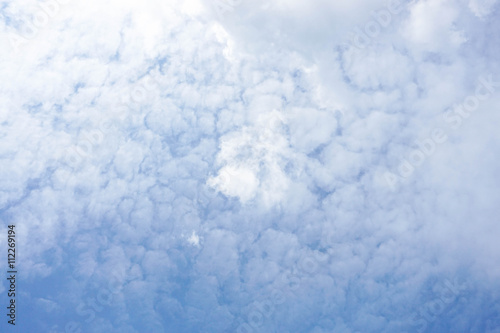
191 167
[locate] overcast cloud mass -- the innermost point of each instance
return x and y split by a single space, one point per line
251 166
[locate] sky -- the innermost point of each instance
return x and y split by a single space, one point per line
251 166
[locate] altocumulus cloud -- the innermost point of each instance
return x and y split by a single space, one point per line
185 166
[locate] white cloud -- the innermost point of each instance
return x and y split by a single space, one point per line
482 8
432 26
287 130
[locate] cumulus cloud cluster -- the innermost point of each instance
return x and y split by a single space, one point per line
235 166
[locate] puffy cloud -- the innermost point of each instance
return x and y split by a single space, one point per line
182 166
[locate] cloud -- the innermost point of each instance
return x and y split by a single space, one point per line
174 168
482 8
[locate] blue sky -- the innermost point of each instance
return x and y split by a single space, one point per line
251 166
